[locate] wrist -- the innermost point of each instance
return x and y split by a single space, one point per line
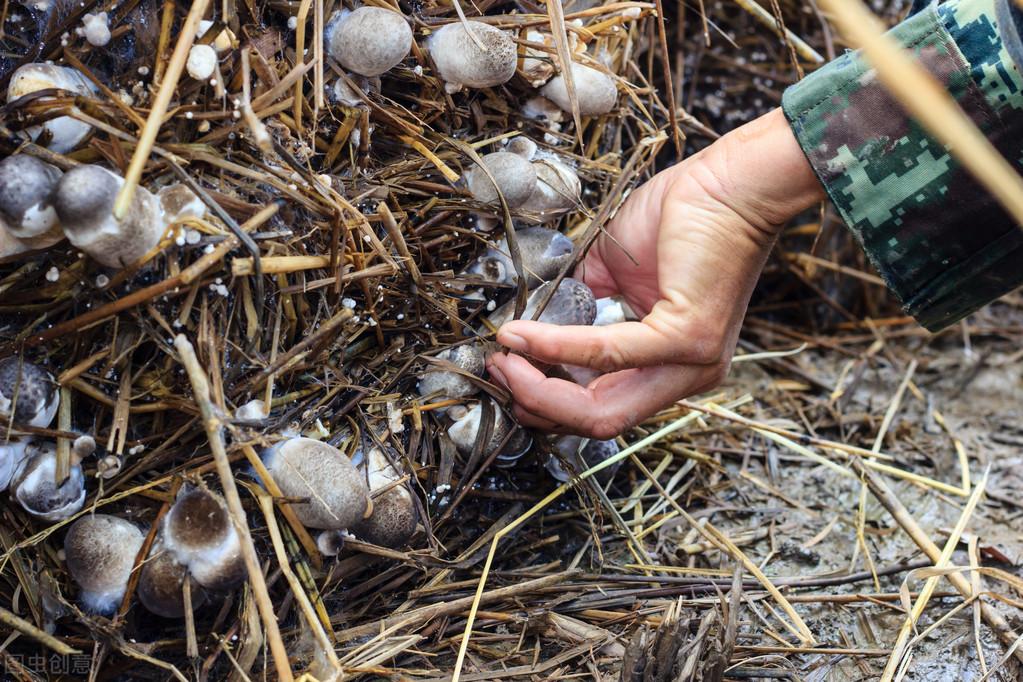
764 173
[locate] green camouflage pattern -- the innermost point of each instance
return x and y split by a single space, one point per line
942 244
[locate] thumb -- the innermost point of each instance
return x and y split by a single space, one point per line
606 348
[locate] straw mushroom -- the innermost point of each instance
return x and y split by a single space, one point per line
85 200
394 516
65 133
35 487
330 542
369 40
202 62
572 304
557 189
26 210
29 390
513 174
199 533
581 454
13 451
544 253
595 91
462 63
161 584
309 469
96 29
465 427
100 551
446 384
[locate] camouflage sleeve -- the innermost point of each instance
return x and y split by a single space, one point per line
941 243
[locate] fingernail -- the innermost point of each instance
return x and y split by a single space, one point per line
497 374
513 341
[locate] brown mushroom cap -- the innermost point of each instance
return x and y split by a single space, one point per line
393 520
461 62
595 91
336 494
514 175
369 40
85 200
100 551
572 304
161 584
199 532
30 389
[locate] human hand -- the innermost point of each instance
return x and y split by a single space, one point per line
685 251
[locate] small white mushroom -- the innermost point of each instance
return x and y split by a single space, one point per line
460 61
369 40
100 551
65 132
595 91
26 209
513 174
109 466
224 41
572 304
202 62
35 488
330 542
335 493
254 410
85 200
198 532
96 29
179 203
544 253
162 581
445 384
394 517
29 390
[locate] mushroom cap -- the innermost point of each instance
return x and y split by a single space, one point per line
199 533
557 190
447 384
544 253
85 200
306 468
202 62
34 485
178 202
393 520
464 430
100 551
513 174
461 62
582 454
330 542
65 132
26 187
594 90
518 445
96 28
35 390
161 584
572 304
369 40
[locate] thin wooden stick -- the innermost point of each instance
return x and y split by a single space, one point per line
159 109
16 622
929 103
214 433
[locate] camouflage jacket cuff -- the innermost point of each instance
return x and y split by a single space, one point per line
942 244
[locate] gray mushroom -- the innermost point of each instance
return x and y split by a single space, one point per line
595 91
65 133
394 517
100 551
466 424
35 487
198 532
13 451
162 582
26 209
514 175
445 384
573 303
544 253
85 200
309 469
462 63
581 454
29 390
557 190
369 40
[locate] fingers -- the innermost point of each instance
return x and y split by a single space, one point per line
617 346
605 408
